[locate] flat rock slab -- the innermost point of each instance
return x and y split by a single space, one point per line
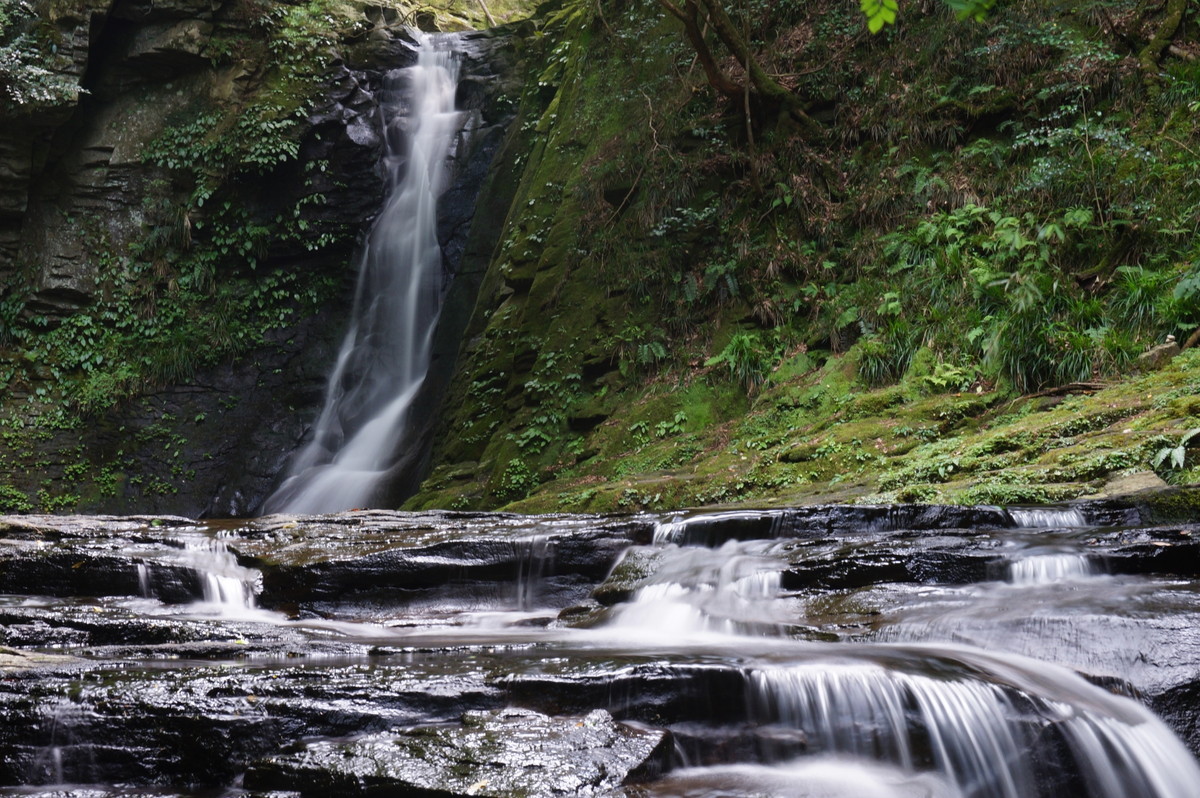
498 753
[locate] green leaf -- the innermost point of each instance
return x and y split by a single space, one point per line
879 13
1177 456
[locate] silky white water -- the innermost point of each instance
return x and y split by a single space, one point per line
359 436
1049 568
1046 518
932 719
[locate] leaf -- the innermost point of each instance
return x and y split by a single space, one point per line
879 13
1162 455
1177 455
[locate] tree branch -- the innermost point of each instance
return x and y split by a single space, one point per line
766 86
688 15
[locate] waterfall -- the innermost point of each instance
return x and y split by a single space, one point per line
1041 569
358 439
228 587
1047 517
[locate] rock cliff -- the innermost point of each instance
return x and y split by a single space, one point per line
176 232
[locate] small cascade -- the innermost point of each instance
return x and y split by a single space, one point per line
728 590
358 440
964 730
1047 518
713 529
65 757
1041 569
143 572
671 531
535 557
989 738
228 587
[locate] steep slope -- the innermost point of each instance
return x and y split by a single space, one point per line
700 301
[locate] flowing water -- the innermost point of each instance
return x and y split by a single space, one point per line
359 438
782 659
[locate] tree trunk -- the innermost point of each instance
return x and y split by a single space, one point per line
766 86
1152 52
688 15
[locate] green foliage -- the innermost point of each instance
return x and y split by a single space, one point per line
516 482
883 12
551 389
13 500
879 13
746 359
26 82
1172 457
214 145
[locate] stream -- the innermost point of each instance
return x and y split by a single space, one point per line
820 651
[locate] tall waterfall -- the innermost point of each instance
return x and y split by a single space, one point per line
358 439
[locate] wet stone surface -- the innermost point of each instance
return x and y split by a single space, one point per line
453 654
506 752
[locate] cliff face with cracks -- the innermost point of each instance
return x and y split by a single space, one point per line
175 238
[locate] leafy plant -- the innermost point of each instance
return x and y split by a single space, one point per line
746 359
25 79
517 481
1173 457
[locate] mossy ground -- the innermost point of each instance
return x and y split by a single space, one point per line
815 437
679 315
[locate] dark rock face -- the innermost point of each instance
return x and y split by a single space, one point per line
75 196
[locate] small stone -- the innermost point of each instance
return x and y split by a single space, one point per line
1157 357
1131 483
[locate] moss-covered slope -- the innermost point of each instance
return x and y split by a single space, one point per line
698 301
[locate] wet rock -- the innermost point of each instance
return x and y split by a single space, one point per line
1179 707
650 691
337 556
498 753
800 522
141 724
15 660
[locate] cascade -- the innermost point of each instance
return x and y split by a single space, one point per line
770 658
947 722
1038 569
534 556
358 439
1046 518
229 588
